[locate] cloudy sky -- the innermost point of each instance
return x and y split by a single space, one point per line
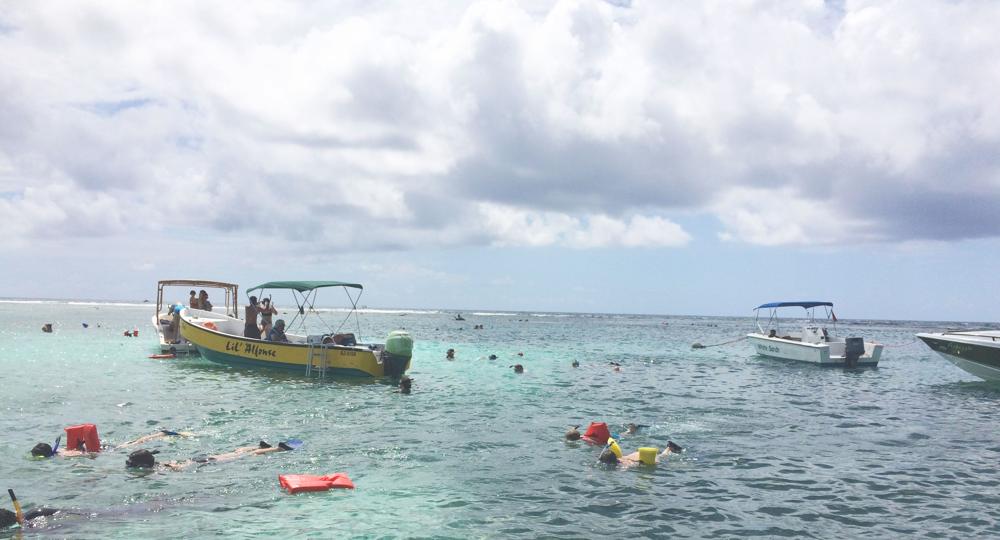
573 155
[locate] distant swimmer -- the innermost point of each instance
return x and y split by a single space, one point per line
632 429
576 363
610 457
573 433
493 357
47 328
405 383
450 355
518 368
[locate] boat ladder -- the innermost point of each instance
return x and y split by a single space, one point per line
318 360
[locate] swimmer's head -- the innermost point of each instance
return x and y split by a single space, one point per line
631 428
674 447
572 434
142 459
42 450
404 384
608 457
7 518
576 363
493 357
518 368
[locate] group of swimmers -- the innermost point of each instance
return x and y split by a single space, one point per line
143 458
597 434
83 441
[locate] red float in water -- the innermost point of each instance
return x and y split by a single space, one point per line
298 483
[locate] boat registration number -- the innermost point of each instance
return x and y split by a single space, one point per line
767 348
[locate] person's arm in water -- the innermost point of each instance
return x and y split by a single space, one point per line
162 434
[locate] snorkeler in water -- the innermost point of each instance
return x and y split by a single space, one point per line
144 459
573 433
609 457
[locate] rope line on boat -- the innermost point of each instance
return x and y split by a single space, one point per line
697 345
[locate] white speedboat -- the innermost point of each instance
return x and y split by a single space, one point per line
167 321
975 351
810 341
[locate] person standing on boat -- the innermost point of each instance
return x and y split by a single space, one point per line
266 311
193 302
251 330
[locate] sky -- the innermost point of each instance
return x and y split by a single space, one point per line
660 157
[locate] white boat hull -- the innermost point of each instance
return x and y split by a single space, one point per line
825 354
976 353
172 342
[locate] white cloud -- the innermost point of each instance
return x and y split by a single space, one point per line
509 225
574 122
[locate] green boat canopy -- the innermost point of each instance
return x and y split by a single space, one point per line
303 286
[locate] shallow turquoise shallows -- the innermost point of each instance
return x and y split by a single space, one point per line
772 448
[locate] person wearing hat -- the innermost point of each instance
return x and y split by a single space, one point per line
609 457
277 333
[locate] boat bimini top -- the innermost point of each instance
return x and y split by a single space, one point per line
304 293
809 306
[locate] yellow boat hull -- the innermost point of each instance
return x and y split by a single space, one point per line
237 350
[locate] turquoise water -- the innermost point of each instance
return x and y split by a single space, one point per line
772 448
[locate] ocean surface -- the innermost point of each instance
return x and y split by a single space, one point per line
772 448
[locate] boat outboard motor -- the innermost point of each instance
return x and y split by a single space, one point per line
854 348
397 353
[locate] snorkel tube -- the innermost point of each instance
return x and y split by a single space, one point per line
17 507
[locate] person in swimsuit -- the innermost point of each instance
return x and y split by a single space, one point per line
144 459
251 330
608 456
266 311
193 302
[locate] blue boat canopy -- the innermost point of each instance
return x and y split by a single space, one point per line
807 305
303 286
